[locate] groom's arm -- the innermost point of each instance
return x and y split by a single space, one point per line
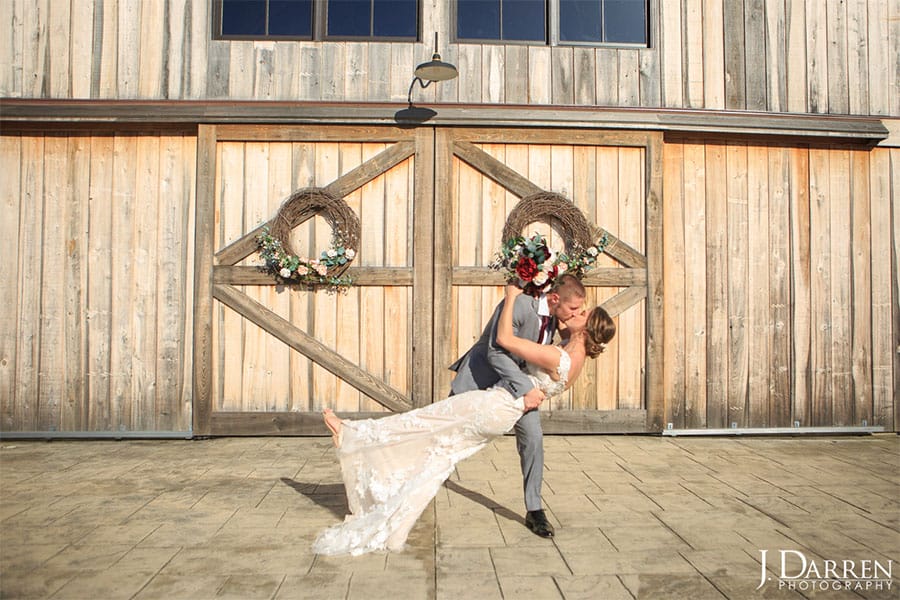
512 377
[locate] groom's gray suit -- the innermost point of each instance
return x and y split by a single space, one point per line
486 364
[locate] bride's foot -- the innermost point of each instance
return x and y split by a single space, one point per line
334 424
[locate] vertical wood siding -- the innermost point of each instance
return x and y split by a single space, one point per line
368 325
97 238
781 293
799 56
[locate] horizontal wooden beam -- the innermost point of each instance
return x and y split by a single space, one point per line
601 277
308 423
854 129
311 348
360 276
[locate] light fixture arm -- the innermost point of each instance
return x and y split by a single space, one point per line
422 84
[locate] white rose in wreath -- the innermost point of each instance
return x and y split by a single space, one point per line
540 279
349 253
285 272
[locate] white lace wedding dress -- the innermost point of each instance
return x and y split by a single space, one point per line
392 467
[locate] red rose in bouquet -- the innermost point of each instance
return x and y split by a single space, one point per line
526 269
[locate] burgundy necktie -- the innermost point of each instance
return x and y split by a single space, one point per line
545 322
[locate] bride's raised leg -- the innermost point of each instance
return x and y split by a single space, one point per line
334 424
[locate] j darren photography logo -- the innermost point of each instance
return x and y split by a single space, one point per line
796 571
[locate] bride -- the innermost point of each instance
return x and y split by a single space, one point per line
393 466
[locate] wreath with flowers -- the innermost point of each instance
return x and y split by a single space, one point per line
529 261
329 269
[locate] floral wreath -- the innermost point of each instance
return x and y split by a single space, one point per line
530 262
327 270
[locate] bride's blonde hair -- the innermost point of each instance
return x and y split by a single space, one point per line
600 329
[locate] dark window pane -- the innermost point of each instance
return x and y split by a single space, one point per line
524 20
478 19
349 17
395 18
290 17
579 20
626 21
243 17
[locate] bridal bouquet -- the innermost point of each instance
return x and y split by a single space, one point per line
532 264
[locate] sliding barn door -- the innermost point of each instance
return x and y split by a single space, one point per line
271 357
615 180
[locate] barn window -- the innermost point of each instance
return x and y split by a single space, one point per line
317 19
594 22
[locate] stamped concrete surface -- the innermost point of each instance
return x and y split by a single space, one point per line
636 517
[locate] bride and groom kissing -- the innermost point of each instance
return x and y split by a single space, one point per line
392 467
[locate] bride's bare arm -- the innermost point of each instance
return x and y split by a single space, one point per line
543 356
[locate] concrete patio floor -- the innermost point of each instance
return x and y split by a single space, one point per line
636 517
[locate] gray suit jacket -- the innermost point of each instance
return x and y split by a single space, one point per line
486 364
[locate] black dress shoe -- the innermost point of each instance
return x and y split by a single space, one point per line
537 522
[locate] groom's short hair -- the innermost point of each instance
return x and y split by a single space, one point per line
568 286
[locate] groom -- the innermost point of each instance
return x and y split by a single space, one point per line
486 364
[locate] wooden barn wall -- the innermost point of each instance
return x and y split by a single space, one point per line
368 325
781 287
96 282
797 56
781 278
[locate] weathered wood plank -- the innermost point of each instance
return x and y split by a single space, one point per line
695 333
82 27
796 67
735 48
585 81
143 307
836 52
607 71
884 394
378 82
878 51
229 329
311 348
755 69
30 259
562 76
759 327
857 81
716 286
738 317
801 282
204 248
674 282
423 197
634 198
781 368
174 202
861 292
841 212
516 72
714 55
243 247
128 47
152 41
36 49
822 396
444 192
600 277
11 204
629 77
470 79
59 52
816 65
672 49
540 77
493 74
776 57
694 56
655 322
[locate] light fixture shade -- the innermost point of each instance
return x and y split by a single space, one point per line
436 70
